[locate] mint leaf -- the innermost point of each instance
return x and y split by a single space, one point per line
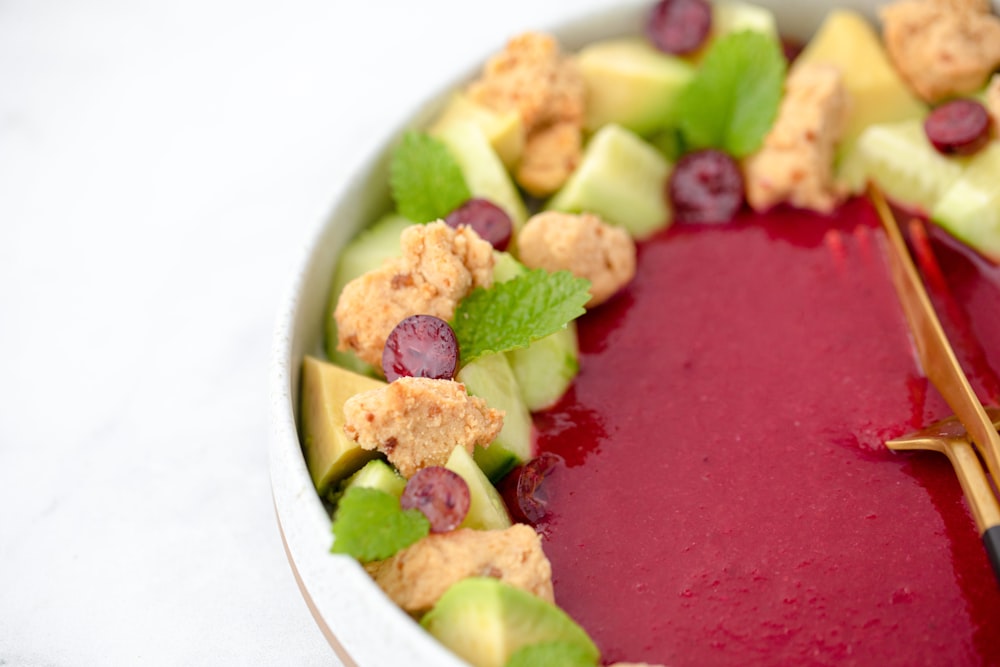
515 313
370 525
552 654
733 99
426 181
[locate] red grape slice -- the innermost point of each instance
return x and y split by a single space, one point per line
486 219
420 346
442 496
524 489
959 127
705 186
679 26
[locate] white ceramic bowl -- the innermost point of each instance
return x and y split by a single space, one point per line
360 622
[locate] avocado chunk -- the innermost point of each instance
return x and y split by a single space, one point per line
487 510
330 454
622 179
364 253
491 378
504 130
970 207
485 621
630 83
878 95
379 475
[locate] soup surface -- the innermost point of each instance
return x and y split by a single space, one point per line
727 497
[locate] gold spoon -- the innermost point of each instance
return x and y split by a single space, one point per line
938 360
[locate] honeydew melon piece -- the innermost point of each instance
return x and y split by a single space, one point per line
487 510
622 179
630 83
483 169
504 130
377 474
484 621
365 252
970 208
491 378
900 160
330 455
878 95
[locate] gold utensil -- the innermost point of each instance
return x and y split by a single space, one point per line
943 370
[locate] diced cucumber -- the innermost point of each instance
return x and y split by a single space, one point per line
900 160
545 369
365 252
330 454
487 510
630 83
483 169
621 178
491 378
377 474
484 621
970 208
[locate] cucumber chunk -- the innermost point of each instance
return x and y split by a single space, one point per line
970 208
330 454
621 178
377 474
484 621
487 510
491 378
365 252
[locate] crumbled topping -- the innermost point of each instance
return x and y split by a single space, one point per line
532 76
795 164
438 268
942 48
420 574
584 245
417 422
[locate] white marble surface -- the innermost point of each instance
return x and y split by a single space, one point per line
162 166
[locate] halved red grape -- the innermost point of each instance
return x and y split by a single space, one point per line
420 346
705 186
486 219
442 496
959 127
679 26
524 490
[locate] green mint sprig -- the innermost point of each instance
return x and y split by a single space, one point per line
515 313
370 525
733 99
425 179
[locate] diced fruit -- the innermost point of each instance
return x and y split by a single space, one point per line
621 178
486 219
958 127
440 494
735 16
706 186
484 172
484 621
487 510
365 252
878 95
421 346
525 490
970 208
330 454
545 369
900 160
377 474
491 378
504 130
630 83
679 26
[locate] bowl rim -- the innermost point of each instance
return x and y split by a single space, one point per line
355 631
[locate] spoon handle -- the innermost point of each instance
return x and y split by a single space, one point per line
933 349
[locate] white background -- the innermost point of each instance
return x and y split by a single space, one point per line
162 166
